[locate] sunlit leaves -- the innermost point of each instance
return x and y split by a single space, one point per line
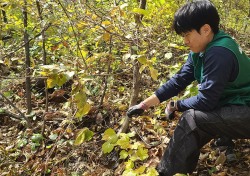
111 138
83 110
154 73
106 36
110 135
140 170
57 75
141 11
148 63
123 154
79 97
124 141
107 147
151 172
142 153
83 135
129 165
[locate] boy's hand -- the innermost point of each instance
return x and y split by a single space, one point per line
170 109
136 109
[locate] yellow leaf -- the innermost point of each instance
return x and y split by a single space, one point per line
94 17
106 23
81 25
33 64
123 154
106 36
7 62
129 165
110 135
86 108
44 73
122 107
50 82
83 135
83 111
142 68
154 73
142 60
140 170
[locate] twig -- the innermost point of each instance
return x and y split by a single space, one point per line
8 113
106 77
10 103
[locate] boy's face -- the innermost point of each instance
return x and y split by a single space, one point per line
198 41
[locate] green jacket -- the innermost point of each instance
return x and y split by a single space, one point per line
238 91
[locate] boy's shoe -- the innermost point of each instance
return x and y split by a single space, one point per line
225 144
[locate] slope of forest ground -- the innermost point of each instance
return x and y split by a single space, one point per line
47 147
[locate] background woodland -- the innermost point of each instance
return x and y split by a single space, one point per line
69 70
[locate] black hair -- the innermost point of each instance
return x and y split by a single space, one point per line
193 15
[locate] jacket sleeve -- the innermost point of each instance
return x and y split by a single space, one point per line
178 82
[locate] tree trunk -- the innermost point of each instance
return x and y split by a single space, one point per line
27 58
136 83
136 64
44 52
142 5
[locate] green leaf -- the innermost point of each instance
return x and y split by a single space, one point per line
140 170
53 136
124 142
142 153
83 135
135 48
110 135
80 98
62 78
123 154
129 165
107 147
8 93
21 142
36 138
129 172
136 145
141 11
2 110
151 172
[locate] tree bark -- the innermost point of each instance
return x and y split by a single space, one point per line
136 83
27 58
136 64
44 52
142 5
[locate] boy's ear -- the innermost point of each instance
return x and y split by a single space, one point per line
206 29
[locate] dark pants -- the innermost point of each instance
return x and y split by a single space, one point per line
195 129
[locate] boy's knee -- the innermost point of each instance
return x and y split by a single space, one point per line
188 120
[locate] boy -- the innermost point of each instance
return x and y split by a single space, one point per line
221 107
